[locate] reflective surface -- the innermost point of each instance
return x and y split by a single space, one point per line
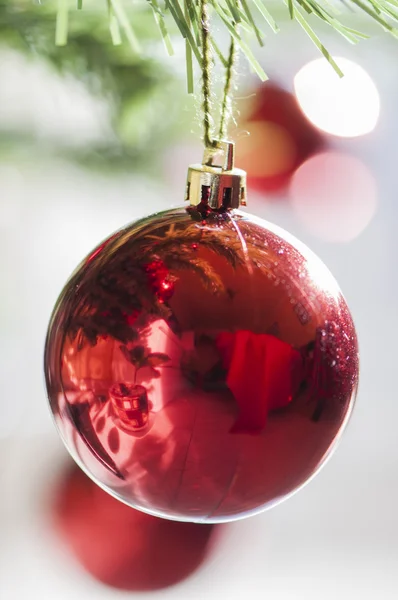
201 368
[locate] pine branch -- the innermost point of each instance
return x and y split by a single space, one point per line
182 16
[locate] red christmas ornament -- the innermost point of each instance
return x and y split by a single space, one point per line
281 139
227 390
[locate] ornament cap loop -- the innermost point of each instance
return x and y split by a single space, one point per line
220 186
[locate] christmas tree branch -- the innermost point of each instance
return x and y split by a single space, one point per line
184 16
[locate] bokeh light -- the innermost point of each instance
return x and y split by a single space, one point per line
58 107
268 151
346 107
334 195
278 139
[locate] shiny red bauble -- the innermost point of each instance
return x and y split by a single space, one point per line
201 367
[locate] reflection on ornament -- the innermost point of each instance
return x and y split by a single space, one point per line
130 404
160 280
280 139
124 548
347 106
262 367
218 400
334 195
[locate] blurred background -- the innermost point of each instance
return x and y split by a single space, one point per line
92 137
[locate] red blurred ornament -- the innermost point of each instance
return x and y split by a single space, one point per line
121 547
281 139
219 399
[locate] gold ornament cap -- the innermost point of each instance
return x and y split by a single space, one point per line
218 186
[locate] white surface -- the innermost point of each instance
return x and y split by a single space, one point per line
336 538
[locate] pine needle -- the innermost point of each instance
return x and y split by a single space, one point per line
234 10
315 39
124 22
159 18
251 21
114 26
183 26
61 28
257 68
188 54
267 15
194 17
220 55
